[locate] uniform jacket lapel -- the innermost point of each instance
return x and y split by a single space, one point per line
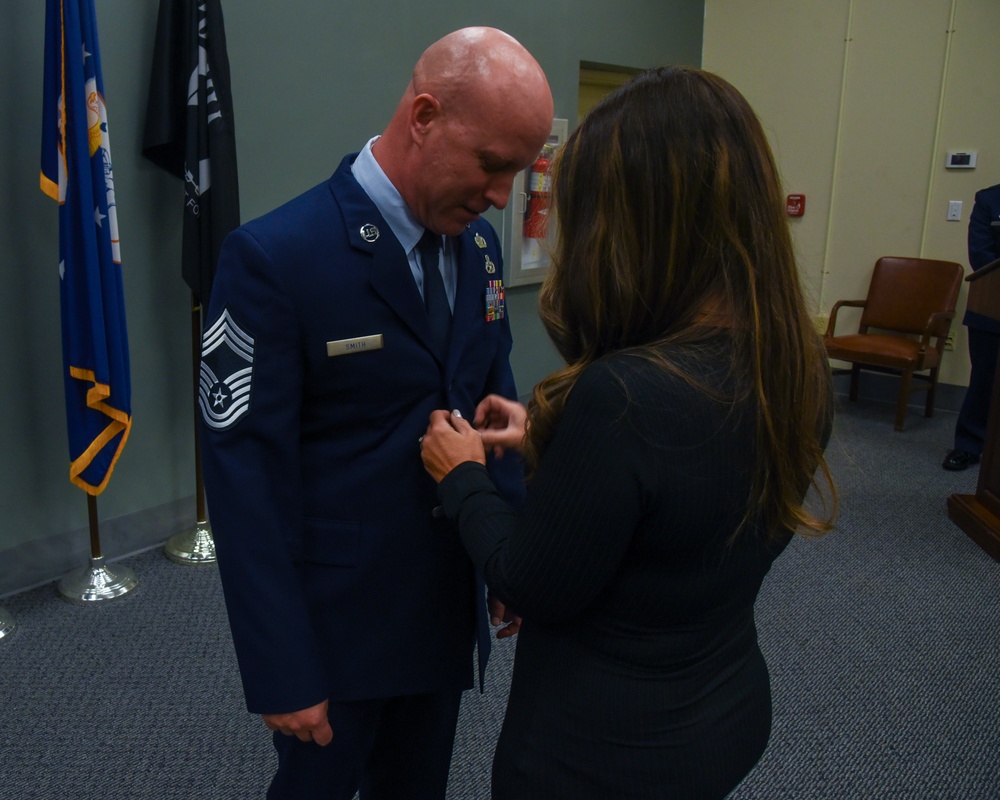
469 294
391 278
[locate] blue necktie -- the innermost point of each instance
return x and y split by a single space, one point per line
435 296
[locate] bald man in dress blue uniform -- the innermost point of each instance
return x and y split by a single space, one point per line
984 338
353 609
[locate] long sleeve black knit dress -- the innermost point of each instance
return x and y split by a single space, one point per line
637 672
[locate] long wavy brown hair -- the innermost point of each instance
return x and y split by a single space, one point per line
672 226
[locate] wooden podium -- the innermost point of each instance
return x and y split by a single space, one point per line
979 514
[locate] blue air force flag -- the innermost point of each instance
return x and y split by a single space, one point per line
76 171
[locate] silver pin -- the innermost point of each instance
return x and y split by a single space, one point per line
490 266
480 241
369 232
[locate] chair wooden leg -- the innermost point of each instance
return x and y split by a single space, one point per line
906 379
931 390
855 380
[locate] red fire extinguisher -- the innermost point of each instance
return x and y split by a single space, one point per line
539 187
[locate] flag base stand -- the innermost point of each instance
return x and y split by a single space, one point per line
192 547
195 546
97 582
6 624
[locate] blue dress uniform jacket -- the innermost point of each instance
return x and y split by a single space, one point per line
984 246
984 332
341 577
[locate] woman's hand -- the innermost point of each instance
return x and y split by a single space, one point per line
448 442
502 423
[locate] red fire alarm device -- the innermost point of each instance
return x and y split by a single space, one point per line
795 205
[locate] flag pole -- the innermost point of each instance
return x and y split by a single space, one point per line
7 624
189 132
194 546
96 581
76 171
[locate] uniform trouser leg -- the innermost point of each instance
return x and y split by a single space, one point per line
391 749
970 430
411 755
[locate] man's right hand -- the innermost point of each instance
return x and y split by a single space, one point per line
309 725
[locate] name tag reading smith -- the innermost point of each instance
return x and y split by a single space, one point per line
361 344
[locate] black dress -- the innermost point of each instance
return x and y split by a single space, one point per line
637 671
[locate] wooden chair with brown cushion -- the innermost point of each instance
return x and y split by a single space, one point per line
907 298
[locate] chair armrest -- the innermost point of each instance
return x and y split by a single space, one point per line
936 317
831 324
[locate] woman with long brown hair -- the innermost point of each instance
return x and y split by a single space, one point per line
669 458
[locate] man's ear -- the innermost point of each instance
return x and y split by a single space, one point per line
424 110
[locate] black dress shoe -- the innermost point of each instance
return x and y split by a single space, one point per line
959 459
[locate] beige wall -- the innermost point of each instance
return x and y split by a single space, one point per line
862 99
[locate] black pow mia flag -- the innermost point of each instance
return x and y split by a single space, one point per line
190 130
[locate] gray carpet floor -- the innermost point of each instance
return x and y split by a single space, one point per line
883 640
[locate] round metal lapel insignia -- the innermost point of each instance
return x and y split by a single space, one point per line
369 232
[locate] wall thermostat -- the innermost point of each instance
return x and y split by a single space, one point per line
960 160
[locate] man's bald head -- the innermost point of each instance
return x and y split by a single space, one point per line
477 59
477 110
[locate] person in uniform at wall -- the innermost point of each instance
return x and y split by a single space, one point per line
984 338
338 322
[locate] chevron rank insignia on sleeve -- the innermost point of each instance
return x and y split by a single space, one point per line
226 372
